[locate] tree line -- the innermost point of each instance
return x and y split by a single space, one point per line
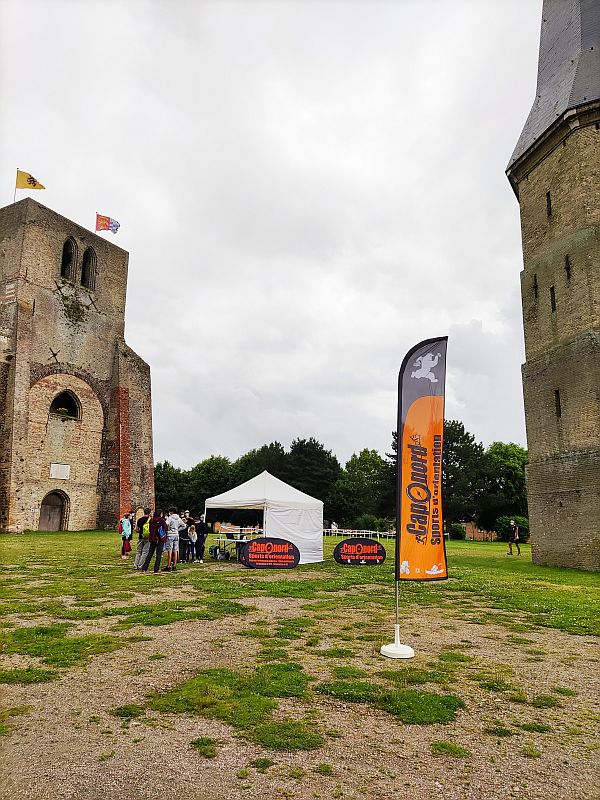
481 484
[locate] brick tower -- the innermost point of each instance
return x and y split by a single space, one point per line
555 173
75 413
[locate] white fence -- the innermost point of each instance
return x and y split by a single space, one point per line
350 532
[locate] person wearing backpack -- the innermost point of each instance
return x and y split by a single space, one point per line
158 537
143 545
126 534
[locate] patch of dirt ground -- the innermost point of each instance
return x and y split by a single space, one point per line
68 745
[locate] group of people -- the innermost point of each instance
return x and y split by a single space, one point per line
181 535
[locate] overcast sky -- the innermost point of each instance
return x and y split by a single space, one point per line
306 189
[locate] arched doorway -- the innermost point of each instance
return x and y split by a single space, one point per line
53 512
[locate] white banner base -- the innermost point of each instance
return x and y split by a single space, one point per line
397 650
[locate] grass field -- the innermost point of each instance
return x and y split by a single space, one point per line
282 670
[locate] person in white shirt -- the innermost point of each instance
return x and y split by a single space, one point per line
174 525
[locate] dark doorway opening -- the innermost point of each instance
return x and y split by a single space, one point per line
53 512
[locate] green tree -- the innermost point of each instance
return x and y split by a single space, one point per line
360 488
170 485
462 472
209 477
270 457
311 468
343 505
504 484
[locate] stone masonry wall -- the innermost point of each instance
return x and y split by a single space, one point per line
571 173
572 369
137 374
560 288
77 443
564 509
56 334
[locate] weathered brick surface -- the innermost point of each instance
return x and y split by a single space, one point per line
564 509
571 173
56 335
561 253
572 369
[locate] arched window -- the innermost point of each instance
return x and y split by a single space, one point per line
88 269
69 257
66 406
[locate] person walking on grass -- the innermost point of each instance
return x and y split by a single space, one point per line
174 525
513 538
143 545
126 534
158 537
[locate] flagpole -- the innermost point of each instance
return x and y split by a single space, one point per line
15 194
398 650
411 398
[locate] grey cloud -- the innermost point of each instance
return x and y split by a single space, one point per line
305 189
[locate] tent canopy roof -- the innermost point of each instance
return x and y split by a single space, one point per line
264 491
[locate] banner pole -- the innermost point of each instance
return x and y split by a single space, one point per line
420 546
398 650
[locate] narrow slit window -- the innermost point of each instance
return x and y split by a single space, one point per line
552 299
67 262
535 285
88 269
557 403
568 268
548 204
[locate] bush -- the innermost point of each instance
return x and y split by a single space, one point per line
457 531
369 522
502 527
366 522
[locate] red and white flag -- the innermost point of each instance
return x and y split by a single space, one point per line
106 223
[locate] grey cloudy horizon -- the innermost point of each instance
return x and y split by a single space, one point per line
306 190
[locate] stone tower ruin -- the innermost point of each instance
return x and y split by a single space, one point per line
75 412
555 173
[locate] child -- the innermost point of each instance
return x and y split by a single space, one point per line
126 534
193 539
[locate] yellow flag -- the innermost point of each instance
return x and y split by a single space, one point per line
27 181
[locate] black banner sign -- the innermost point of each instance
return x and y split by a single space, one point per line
359 552
269 553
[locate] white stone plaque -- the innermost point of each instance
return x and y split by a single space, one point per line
61 472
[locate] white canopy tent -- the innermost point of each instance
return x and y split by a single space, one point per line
288 513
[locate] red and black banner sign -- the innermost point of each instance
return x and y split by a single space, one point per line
269 553
359 552
420 546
